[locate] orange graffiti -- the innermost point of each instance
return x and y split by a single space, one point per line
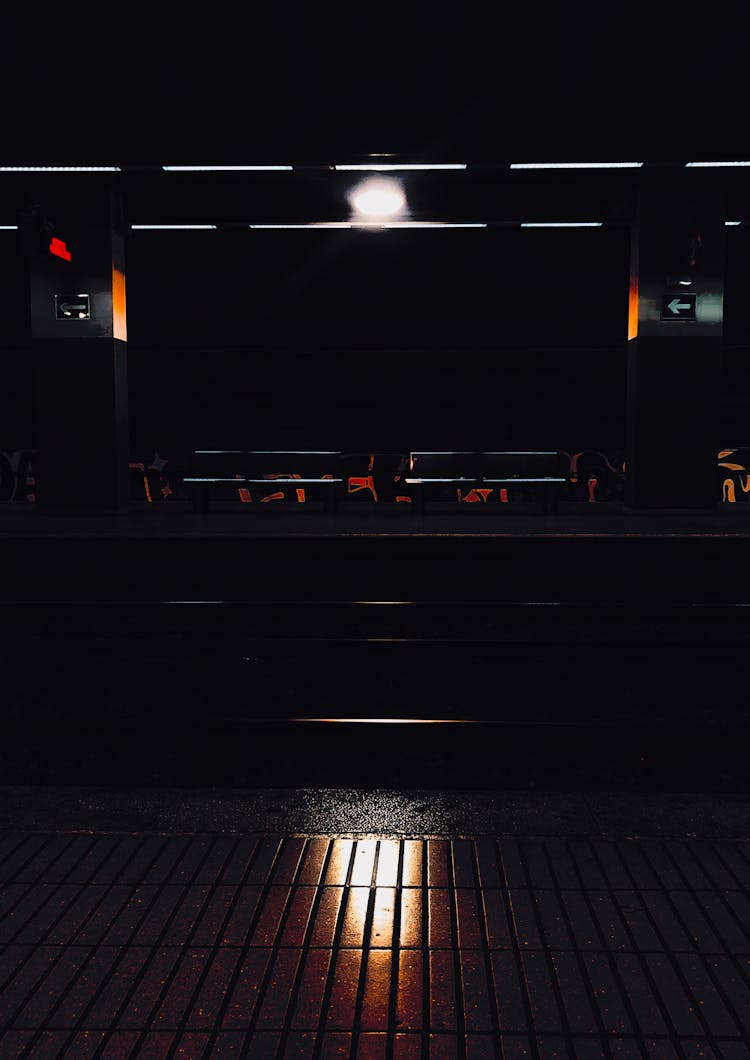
728 491
474 495
243 492
366 482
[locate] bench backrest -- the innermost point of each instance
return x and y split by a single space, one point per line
257 463
523 465
444 465
500 465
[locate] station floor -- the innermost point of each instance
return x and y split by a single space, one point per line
366 520
373 924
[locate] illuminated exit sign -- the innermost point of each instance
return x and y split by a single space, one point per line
678 307
72 307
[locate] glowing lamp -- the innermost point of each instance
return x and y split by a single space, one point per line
378 198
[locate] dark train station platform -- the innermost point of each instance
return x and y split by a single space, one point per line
489 925
375 787
400 712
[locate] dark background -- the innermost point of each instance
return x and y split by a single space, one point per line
390 339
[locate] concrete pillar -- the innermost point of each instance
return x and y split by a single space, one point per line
75 245
675 345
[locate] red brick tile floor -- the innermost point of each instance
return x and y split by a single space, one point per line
372 947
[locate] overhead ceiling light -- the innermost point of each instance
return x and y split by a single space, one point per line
388 721
561 224
575 165
222 169
59 169
704 164
375 224
166 227
385 167
732 224
8 228
306 224
378 198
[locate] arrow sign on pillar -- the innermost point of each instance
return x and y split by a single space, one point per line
678 307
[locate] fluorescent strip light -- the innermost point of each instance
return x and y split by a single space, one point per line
561 224
59 169
387 167
732 224
169 227
14 228
389 721
575 165
377 224
227 169
307 224
705 164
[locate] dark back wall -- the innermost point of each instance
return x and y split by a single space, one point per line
464 338
456 338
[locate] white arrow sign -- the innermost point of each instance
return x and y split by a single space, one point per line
676 305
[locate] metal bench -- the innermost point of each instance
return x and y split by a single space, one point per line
433 470
246 471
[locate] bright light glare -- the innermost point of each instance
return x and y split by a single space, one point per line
169 227
378 198
376 224
575 165
223 169
386 167
8 228
390 721
732 224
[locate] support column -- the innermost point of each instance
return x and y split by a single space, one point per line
75 245
675 346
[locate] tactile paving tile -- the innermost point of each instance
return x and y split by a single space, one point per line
372 947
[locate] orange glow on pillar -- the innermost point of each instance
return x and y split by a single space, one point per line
728 491
119 323
633 308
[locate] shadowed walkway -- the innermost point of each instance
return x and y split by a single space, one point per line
578 941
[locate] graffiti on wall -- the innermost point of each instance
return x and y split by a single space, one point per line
592 477
17 475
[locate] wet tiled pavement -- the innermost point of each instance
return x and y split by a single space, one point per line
142 944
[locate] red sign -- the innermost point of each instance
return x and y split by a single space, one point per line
59 249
